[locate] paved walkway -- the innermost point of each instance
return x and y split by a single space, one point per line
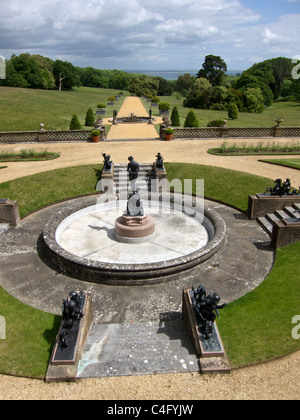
124 131
274 380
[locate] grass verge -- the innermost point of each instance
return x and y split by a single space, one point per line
254 328
289 163
246 149
27 155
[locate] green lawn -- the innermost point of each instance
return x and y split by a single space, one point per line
261 148
25 109
256 327
289 111
290 163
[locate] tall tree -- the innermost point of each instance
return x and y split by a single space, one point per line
143 85
199 95
213 69
184 82
65 75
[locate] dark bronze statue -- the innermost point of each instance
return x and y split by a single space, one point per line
206 310
133 170
159 162
71 312
282 188
107 162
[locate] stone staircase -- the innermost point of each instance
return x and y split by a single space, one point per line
267 221
121 179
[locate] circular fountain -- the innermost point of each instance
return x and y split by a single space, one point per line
83 241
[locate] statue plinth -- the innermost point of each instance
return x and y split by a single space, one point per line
134 229
211 353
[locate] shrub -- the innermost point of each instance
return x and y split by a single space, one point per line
75 123
175 117
233 111
191 120
95 133
216 123
111 99
164 106
89 118
218 107
101 105
169 131
155 99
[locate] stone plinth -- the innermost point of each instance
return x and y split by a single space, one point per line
9 212
134 229
160 173
211 352
285 232
108 174
262 204
64 362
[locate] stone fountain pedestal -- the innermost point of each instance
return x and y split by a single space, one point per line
135 226
134 229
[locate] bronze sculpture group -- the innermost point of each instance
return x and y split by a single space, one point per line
282 188
206 310
72 311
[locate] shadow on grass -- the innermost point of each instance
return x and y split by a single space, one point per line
51 333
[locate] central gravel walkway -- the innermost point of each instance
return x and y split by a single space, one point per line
277 379
133 130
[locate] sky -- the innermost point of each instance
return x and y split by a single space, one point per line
151 34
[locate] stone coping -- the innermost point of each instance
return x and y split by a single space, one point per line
120 274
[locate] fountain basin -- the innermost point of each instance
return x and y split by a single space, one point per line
129 120
81 243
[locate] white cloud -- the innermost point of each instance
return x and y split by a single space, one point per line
269 37
118 33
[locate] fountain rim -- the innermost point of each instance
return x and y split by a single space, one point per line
116 273
127 120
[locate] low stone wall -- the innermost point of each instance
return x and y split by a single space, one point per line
47 136
230 132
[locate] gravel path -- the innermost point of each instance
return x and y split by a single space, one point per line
133 130
193 151
277 379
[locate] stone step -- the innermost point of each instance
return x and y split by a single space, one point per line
293 212
272 217
265 224
121 178
297 206
281 214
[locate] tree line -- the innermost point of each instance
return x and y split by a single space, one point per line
38 72
251 91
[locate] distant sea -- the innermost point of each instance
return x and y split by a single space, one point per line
174 74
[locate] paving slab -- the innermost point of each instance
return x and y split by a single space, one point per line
138 348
